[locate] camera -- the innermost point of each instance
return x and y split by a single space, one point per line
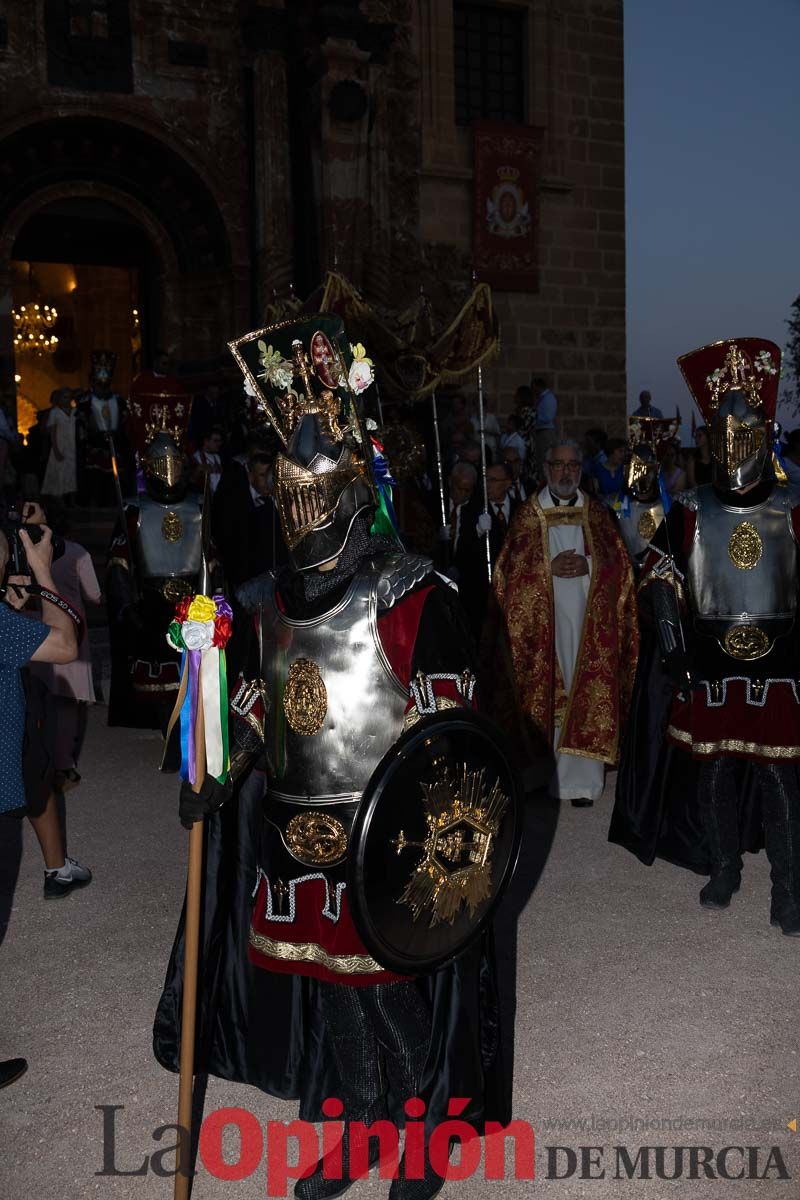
10 524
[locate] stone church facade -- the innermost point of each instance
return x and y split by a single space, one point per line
246 146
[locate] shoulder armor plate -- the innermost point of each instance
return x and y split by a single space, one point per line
687 498
398 574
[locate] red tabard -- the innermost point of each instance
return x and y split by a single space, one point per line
316 935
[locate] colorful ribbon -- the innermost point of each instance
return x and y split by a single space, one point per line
385 520
201 630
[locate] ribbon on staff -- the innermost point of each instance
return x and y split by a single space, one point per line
200 631
385 520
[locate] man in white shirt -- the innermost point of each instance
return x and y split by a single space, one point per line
512 459
461 486
209 460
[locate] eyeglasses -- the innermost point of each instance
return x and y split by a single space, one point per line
558 464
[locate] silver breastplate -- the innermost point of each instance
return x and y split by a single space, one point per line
337 706
743 561
639 526
103 413
168 539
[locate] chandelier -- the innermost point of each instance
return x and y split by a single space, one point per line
32 325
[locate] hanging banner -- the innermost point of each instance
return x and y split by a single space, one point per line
506 207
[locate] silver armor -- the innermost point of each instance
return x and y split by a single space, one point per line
639 524
742 572
336 707
168 542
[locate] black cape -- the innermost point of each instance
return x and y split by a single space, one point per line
655 810
266 1029
263 1028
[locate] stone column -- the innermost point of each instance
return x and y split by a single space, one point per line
267 33
344 161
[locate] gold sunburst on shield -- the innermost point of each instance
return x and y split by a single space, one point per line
463 817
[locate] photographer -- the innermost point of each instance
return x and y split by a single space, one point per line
22 640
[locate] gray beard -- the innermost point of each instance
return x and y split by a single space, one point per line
559 490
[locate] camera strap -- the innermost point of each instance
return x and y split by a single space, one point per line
60 602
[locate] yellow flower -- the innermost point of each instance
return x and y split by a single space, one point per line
202 608
360 354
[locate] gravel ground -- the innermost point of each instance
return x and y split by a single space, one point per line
634 1005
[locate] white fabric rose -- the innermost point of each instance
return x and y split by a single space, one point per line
360 376
198 635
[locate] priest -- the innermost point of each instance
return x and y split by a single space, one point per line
561 638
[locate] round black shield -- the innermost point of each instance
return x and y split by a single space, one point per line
434 842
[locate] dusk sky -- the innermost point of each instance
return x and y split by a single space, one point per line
713 181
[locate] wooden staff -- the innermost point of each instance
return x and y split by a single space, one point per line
191 948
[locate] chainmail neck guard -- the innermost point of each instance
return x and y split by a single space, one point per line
308 593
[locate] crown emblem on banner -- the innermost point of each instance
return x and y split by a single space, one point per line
509 174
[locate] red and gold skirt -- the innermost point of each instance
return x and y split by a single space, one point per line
741 717
306 928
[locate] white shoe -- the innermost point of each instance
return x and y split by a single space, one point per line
71 875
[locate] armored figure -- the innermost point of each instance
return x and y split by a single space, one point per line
640 511
153 563
722 576
355 646
100 421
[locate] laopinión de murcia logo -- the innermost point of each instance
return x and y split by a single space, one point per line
284 1151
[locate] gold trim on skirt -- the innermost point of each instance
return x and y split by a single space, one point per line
342 964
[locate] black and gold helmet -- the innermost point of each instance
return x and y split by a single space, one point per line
306 377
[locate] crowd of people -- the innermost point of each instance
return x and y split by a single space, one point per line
602 599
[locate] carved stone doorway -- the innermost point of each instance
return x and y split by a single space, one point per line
104 196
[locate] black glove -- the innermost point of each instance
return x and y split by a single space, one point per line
193 806
678 669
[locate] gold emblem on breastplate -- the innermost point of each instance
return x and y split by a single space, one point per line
305 699
647 526
172 527
746 642
316 838
745 546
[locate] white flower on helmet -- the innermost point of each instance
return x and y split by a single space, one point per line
361 373
277 370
